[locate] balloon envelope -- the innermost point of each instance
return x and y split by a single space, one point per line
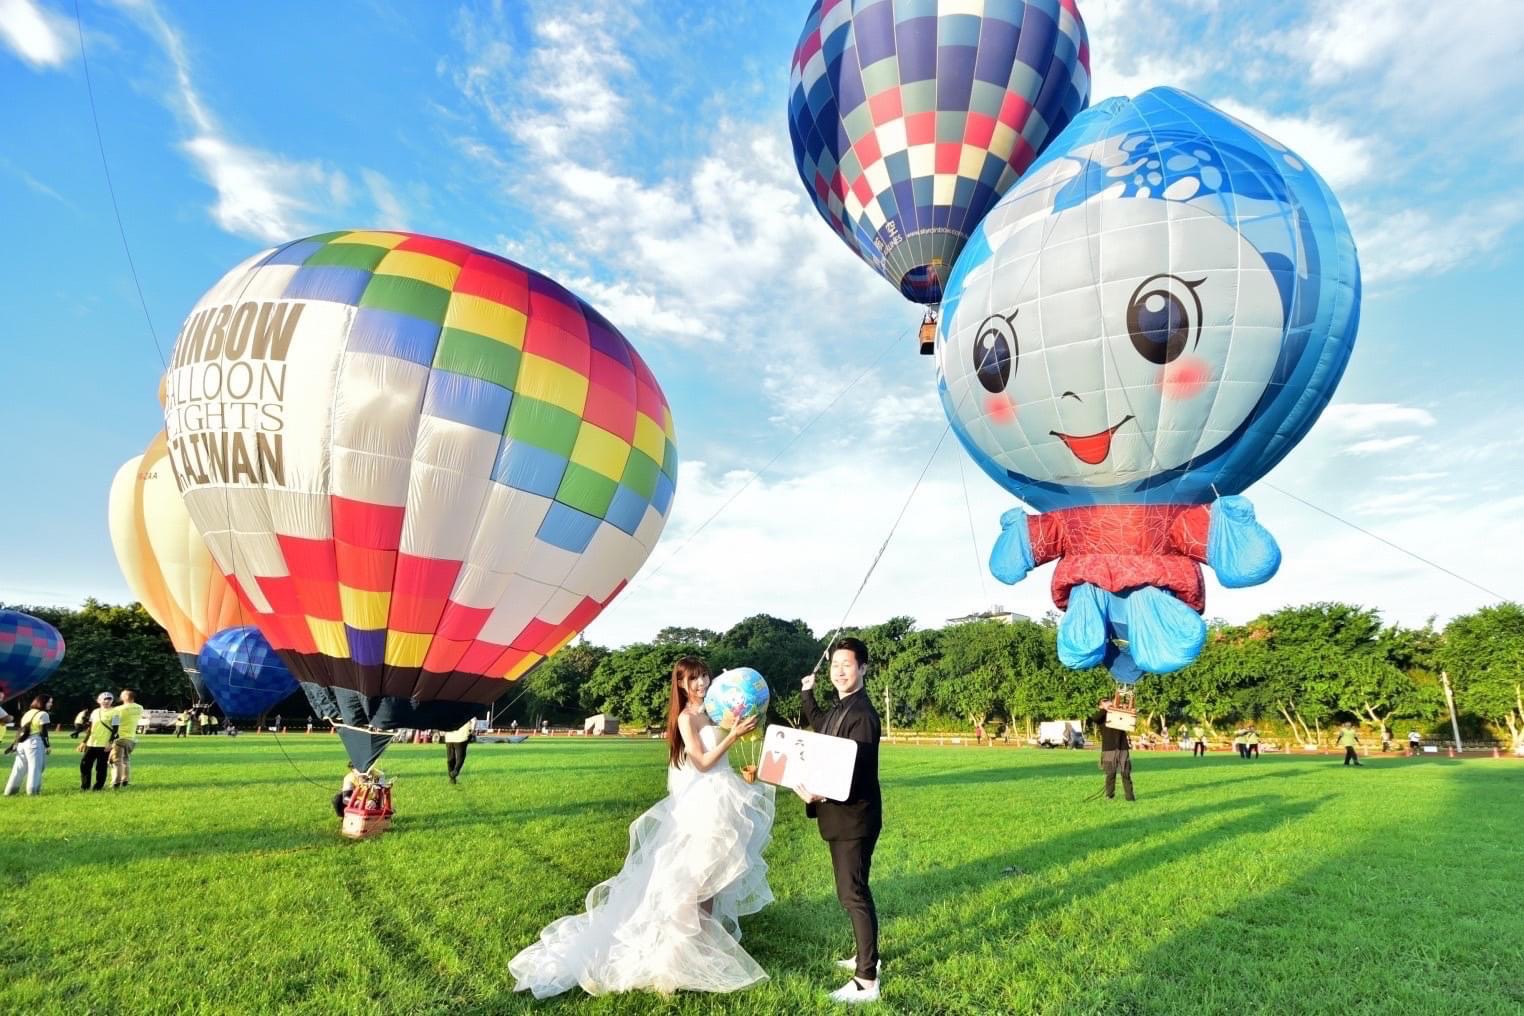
164 559
30 651
244 675
909 120
1156 314
423 468
736 695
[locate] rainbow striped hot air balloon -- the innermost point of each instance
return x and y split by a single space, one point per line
164 560
910 118
30 651
423 468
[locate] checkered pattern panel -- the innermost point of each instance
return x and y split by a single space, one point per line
910 118
243 673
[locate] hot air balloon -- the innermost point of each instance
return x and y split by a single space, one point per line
30 650
1143 327
244 675
164 560
422 467
909 120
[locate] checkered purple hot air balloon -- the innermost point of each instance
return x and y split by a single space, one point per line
910 118
30 650
422 467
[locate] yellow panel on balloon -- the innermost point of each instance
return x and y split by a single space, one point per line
406 649
649 437
548 381
484 317
410 264
518 669
371 238
363 608
600 451
330 638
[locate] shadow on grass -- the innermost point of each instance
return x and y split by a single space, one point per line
1409 935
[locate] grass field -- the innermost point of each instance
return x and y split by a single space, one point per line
218 883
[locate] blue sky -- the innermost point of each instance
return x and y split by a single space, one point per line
639 154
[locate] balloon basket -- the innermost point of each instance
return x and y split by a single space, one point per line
1121 712
749 774
369 812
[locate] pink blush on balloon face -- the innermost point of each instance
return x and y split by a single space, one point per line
1000 409
1186 378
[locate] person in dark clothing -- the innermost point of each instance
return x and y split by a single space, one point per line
851 827
1116 756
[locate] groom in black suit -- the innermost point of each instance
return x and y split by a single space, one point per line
851 827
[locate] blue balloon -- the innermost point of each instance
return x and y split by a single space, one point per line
1084 350
30 651
1141 328
244 675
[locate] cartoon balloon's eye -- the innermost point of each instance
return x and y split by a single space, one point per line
1163 317
995 352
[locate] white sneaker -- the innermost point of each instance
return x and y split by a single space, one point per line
855 991
851 964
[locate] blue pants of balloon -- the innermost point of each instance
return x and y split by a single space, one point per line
1161 633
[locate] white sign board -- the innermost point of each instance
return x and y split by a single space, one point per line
822 765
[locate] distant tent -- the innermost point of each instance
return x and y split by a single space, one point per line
600 724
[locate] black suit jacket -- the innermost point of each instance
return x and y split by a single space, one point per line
861 815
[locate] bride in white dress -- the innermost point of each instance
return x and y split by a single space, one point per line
669 920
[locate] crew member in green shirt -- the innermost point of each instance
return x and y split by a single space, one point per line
182 723
1251 743
127 716
1198 741
99 733
1349 741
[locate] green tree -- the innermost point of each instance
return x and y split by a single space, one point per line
1484 655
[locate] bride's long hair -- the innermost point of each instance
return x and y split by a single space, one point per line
683 670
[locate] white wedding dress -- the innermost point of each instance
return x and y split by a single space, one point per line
644 928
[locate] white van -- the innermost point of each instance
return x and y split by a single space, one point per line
1060 734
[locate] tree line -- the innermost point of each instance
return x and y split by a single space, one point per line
1299 671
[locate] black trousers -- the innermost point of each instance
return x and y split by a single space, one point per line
1253 750
1111 784
852 860
1199 748
1350 755
93 757
455 757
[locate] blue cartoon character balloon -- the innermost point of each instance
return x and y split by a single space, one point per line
1144 326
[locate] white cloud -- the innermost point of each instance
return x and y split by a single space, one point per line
1364 417
1405 502
1407 242
390 213
1339 156
1378 445
258 194
36 34
1435 58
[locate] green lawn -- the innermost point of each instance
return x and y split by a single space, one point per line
218 883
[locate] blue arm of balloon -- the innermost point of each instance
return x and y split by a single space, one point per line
1012 557
1240 550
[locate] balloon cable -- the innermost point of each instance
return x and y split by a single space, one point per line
972 536
883 547
111 189
1376 536
895 342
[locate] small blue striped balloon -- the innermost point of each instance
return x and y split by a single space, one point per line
30 650
244 675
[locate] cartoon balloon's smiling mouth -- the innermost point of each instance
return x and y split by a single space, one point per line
1091 449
